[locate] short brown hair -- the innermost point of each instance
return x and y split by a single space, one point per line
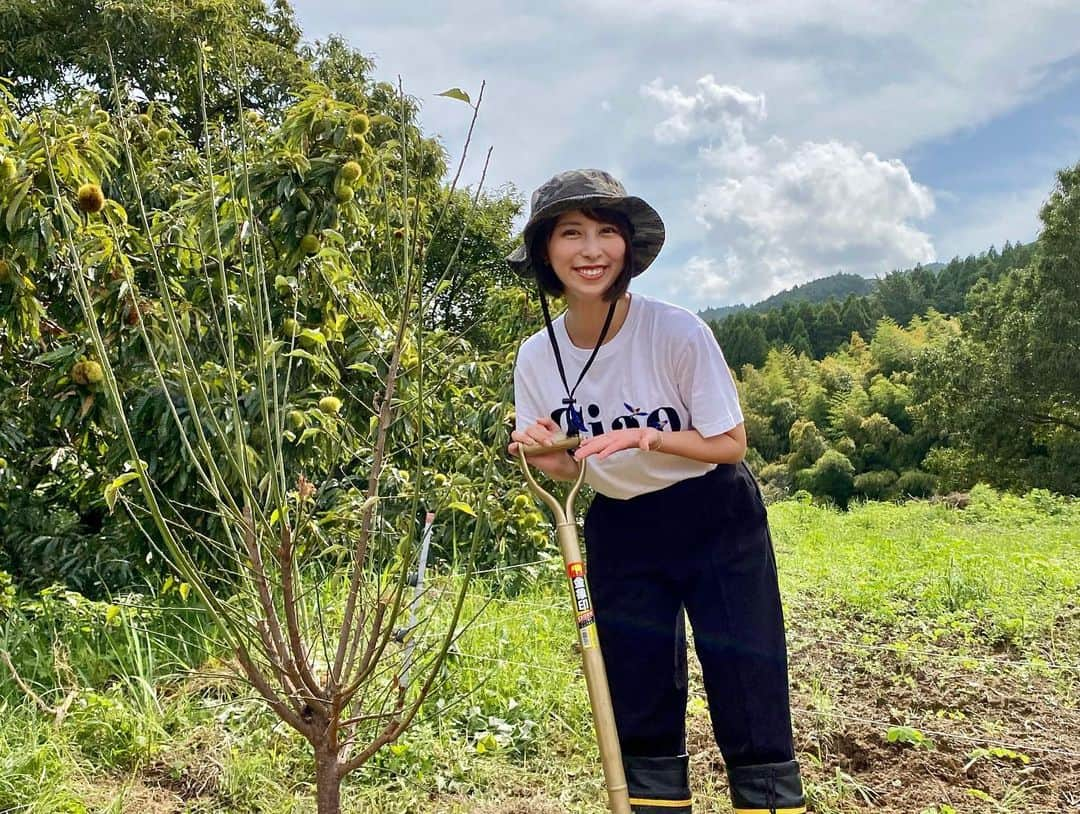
545 274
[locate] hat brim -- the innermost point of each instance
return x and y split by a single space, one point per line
648 227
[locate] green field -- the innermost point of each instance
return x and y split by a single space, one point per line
935 660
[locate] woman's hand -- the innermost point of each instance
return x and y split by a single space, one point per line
555 464
723 448
643 438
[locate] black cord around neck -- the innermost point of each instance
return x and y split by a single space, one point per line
574 421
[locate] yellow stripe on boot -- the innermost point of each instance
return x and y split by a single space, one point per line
642 801
797 810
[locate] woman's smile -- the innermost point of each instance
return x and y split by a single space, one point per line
591 272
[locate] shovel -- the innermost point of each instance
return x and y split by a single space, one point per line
591 660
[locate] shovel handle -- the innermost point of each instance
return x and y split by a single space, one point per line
592 660
559 442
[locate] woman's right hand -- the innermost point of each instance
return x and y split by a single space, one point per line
556 464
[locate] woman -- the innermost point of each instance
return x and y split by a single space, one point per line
677 521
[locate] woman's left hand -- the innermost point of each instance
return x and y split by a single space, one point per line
643 438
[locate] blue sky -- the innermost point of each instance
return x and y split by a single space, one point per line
781 140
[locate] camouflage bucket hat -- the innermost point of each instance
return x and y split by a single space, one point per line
591 189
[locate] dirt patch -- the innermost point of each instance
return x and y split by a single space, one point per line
852 753
532 805
969 727
138 797
972 728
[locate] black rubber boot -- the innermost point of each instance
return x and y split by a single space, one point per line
767 788
658 785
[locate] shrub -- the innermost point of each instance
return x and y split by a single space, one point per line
916 483
878 430
760 435
845 446
832 476
777 476
1046 501
754 460
877 485
807 444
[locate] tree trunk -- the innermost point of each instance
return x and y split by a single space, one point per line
327 783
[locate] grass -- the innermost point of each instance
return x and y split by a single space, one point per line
1000 573
957 628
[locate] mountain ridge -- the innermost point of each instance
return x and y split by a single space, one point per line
836 286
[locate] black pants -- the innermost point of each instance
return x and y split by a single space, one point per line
702 544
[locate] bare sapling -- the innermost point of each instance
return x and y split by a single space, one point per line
301 546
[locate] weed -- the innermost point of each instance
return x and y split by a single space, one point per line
910 736
995 752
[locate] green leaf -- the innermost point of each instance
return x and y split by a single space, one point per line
185 589
456 93
58 355
908 735
313 335
300 353
16 201
462 506
112 491
114 208
320 364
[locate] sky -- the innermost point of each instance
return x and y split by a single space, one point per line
780 140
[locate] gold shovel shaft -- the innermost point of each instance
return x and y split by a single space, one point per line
592 661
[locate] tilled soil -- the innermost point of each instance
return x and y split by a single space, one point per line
993 731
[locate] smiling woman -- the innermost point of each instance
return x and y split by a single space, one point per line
677 521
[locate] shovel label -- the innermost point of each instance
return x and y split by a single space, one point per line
586 621
587 631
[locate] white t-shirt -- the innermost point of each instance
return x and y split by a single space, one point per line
662 369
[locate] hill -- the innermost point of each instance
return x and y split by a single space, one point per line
834 287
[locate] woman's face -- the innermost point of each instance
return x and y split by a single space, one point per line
585 254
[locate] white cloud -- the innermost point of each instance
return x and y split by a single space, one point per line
705 280
888 75
712 110
778 215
